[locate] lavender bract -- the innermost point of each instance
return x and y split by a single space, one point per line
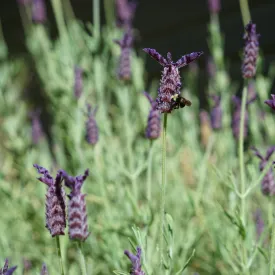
6 270
271 102
126 43
268 183
251 51
216 112
55 201
78 81
77 214
170 83
153 123
91 126
136 262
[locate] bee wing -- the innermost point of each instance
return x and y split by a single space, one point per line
188 58
157 56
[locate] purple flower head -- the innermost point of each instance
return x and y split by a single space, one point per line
237 116
136 262
268 183
169 91
91 126
153 123
216 112
251 51
259 223
214 6
77 214
27 265
78 81
55 201
125 12
37 129
39 15
271 102
44 270
126 43
6 270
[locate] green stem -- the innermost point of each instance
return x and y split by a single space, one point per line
149 172
272 246
81 259
245 11
59 255
242 170
162 198
96 15
59 17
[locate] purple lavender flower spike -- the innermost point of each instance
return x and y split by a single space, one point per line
77 214
216 112
78 82
6 270
214 6
188 58
268 183
169 97
37 129
153 123
125 12
251 51
259 223
271 102
91 126
27 265
126 43
44 270
39 15
55 201
136 262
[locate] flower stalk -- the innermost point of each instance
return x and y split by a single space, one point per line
163 187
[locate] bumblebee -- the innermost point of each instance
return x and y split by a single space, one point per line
180 102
